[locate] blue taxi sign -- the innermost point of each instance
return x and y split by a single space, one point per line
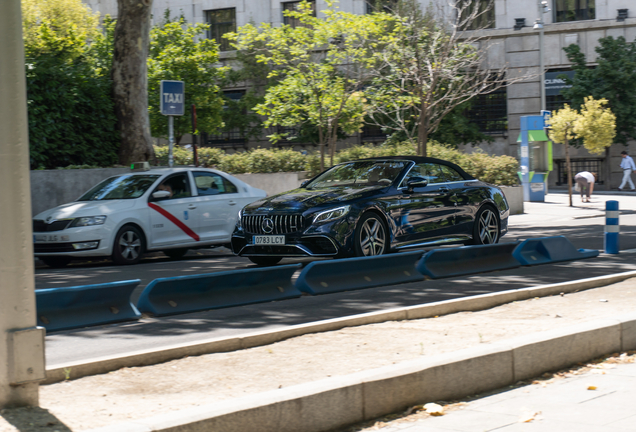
172 95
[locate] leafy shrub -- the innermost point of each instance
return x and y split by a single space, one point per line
500 170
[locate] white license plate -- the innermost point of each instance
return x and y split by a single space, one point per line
45 238
269 239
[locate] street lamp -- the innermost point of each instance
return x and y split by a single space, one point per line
538 25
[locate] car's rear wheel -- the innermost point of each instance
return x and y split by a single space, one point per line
56 262
486 227
128 246
371 237
265 261
175 253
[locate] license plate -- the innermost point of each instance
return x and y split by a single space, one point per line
269 240
45 238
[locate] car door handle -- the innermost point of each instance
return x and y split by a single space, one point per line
231 202
192 206
443 189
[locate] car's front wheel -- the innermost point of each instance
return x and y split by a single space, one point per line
371 236
128 247
56 262
486 227
265 261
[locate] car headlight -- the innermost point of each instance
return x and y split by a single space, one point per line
88 221
332 214
239 224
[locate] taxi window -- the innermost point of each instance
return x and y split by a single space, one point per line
178 186
212 184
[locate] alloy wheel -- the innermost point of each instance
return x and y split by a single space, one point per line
129 245
488 227
372 237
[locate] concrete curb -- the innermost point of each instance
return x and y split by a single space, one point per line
341 401
62 372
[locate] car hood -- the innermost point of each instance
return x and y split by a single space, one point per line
86 208
299 200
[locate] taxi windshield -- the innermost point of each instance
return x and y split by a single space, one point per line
121 187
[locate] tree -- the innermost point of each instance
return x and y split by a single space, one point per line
595 125
177 52
321 64
432 66
130 80
71 113
614 79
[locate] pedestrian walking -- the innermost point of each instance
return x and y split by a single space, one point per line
585 182
627 164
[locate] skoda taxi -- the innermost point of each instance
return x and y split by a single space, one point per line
166 209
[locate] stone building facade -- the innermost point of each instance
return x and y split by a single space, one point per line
513 41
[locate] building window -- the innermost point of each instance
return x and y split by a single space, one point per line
490 112
380 6
476 14
293 6
593 165
574 10
221 21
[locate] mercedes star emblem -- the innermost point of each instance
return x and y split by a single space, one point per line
267 225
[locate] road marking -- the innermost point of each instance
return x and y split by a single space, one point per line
175 221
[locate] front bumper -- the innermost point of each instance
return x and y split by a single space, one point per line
92 241
295 245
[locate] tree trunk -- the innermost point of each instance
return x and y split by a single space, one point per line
568 168
422 131
607 175
130 80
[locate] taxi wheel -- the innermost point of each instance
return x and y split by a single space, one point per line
175 253
265 261
128 246
56 262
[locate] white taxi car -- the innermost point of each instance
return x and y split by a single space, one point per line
166 209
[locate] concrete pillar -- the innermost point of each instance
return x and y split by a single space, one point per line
21 343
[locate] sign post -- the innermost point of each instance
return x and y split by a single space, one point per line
172 95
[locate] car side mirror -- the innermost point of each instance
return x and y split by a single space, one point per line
161 194
305 183
415 182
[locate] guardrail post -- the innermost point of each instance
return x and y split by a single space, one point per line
611 227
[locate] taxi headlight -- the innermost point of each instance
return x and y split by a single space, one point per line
88 221
332 214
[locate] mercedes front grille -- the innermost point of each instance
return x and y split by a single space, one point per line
280 224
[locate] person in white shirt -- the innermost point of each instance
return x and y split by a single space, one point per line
585 180
627 164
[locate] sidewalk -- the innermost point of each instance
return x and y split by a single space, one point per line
597 398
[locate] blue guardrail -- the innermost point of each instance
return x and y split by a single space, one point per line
440 263
88 305
546 250
183 294
322 277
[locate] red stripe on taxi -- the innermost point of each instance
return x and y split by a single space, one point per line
175 221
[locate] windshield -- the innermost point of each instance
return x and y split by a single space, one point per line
122 187
360 174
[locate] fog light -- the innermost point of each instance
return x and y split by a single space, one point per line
86 245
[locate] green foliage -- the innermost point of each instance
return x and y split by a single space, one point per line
71 113
500 170
178 52
614 79
319 64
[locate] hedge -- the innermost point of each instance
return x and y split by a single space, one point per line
499 170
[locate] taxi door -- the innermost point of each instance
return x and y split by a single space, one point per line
219 202
174 220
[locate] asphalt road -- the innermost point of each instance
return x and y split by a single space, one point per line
583 225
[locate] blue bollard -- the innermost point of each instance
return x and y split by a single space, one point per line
611 227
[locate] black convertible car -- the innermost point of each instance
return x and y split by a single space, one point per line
371 207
